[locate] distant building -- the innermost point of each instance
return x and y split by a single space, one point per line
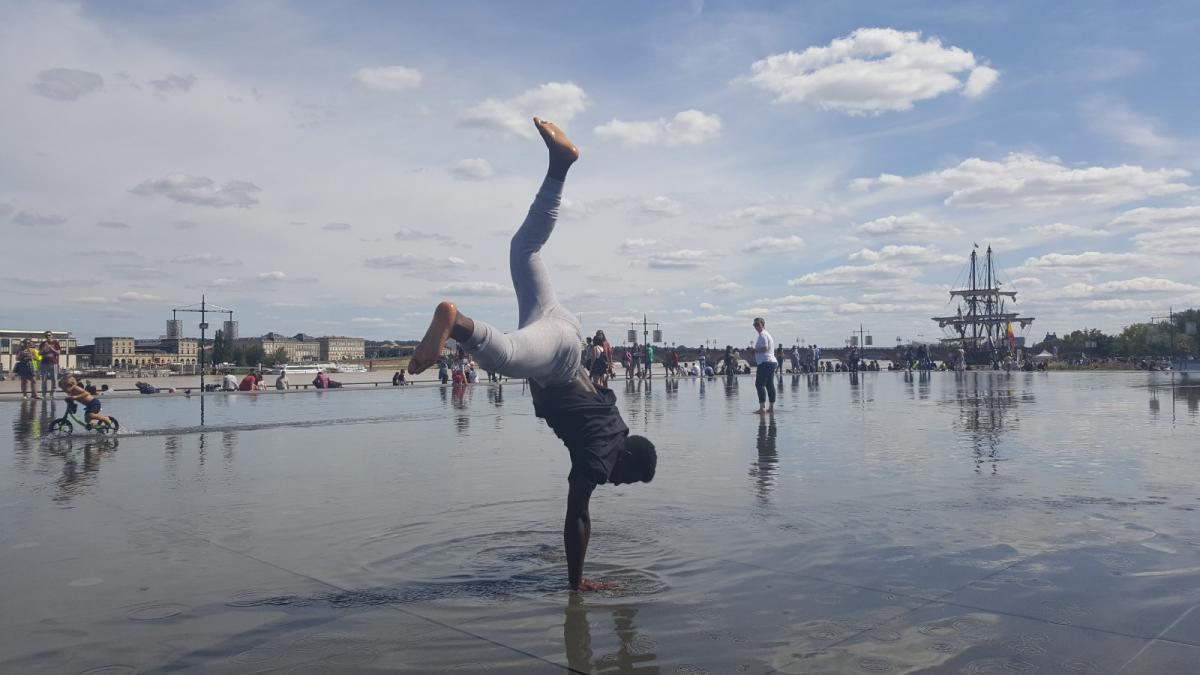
336 348
296 351
10 345
126 353
231 330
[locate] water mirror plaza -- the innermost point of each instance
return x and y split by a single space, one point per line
981 522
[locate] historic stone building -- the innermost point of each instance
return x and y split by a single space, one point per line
335 348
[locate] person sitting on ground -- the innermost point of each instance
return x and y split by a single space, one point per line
396 379
91 404
249 383
321 381
229 382
281 382
146 388
545 350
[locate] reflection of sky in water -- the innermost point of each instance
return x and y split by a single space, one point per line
881 521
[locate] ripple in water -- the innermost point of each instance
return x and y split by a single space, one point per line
115 669
155 611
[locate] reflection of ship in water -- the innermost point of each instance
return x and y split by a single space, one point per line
987 409
982 326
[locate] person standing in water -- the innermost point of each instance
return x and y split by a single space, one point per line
764 357
545 350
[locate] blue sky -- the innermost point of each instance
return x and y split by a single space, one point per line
337 168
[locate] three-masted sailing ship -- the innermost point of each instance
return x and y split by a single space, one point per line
983 325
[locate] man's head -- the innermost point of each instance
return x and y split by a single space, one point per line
637 462
759 324
49 335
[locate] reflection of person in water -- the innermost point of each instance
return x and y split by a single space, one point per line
545 350
634 655
766 468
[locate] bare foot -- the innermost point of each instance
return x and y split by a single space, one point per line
427 353
586 585
563 152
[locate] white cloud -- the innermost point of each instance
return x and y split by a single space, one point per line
413 265
800 303
636 245
910 225
476 288
390 79
708 306
689 127
473 169
1050 230
31 219
722 285
66 84
1175 241
133 296
773 245
1149 217
909 254
681 259
113 225
752 311
370 320
558 102
1037 182
871 71
771 214
199 190
981 80
1136 285
1086 260
661 206
274 275
1121 305
410 234
336 227
1116 121
854 274
208 259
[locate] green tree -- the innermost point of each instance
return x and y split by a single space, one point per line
219 353
252 356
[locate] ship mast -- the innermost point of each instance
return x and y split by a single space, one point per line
988 323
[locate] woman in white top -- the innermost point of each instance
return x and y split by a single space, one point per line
764 358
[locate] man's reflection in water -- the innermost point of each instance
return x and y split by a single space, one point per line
496 395
765 470
795 382
635 655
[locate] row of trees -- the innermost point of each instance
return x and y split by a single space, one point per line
225 351
1177 336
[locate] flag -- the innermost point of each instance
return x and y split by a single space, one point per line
1012 337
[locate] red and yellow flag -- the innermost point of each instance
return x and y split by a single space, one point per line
1012 336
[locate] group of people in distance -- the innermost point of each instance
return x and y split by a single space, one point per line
34 362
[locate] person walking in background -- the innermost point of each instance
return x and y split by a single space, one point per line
443 371
50 351
703 360
649 359
764 358
601 360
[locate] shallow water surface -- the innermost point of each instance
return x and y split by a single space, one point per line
974 523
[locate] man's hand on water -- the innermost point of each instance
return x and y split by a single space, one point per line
588 585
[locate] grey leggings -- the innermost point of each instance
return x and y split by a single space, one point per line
546 347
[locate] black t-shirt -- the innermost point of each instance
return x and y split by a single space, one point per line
586 418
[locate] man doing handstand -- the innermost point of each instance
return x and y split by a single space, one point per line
545 350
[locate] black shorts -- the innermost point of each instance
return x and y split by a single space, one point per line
599 367
93 406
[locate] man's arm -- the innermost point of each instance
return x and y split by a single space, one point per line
577 531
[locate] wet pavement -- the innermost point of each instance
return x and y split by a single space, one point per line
973 523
